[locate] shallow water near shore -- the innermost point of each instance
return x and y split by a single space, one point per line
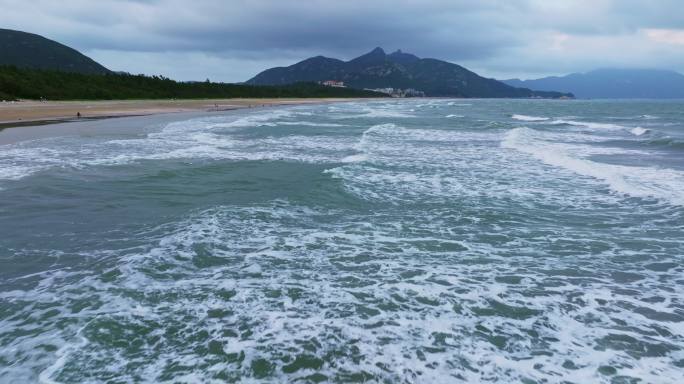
440 241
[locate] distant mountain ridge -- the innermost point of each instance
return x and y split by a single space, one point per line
612 83
28 50
377 69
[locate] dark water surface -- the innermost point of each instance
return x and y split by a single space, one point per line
431 241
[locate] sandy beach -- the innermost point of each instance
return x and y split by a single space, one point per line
47 119
29 112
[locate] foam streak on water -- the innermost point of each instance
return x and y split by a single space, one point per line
393 241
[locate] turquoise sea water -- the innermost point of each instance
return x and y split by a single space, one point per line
417 241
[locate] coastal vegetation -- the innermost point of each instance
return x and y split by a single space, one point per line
24 83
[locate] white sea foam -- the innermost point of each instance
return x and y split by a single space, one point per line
355 158
285 281
588 124
660 183
255 119
209 138
529 118
642 117
638 131
426 165
454 116
16 172
388 110
391 135
385 113
474 273
310 124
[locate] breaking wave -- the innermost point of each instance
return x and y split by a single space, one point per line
529 118
644 182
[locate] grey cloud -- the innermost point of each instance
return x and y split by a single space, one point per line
486 33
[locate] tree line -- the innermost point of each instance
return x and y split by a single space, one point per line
24 83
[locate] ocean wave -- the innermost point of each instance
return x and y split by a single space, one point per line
403 165
588 124
643 182
429 105
256 119
355 158
22 159
373 111
638 131
427 253
385 113
529 118
398 139
201 139
309 124
667 142
295 290
638 117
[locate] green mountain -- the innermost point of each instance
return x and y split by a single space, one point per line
27 50
377 69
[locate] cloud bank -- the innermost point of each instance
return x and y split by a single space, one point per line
234 40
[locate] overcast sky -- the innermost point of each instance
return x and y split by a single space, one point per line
232 40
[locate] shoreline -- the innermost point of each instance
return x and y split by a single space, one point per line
30 113
132 121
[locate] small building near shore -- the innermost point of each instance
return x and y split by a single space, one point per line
333 83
